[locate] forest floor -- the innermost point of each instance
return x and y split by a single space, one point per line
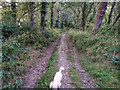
66 49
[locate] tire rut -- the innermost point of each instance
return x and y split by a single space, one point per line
31 79
87 82
62 61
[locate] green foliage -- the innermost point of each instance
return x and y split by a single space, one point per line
8 26
38 39
75 77
83 40
115 60
47 34
105 76
100 53
10 29
97 45
12 55
7 16
70 58
26 27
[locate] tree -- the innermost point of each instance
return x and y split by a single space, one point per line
116 19
58 18
83 16
13 7
110 15
43 14
80 10
75 7
86 9
117 13
99 16
52 6
31 13
62 20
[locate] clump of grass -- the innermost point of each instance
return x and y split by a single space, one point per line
75 77
70 58
104 76
49 74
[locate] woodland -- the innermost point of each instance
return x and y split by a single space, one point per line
39 37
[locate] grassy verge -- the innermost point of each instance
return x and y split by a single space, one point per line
75 77
93 52
49 74
104 76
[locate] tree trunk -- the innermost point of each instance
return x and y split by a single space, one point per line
99 16
77 22
62 21
110 15
58 18
43 14
31 13
52 14
83 16
13 7
116 19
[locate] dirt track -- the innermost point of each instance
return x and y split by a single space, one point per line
83 74
62 61
31 79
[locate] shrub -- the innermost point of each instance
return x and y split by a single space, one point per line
10 29
26 27
37 38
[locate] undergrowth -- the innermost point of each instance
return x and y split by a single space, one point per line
13 57
104 75
99 55
15 51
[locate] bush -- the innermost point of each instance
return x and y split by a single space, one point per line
10 29
26 27
38 38
33 38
